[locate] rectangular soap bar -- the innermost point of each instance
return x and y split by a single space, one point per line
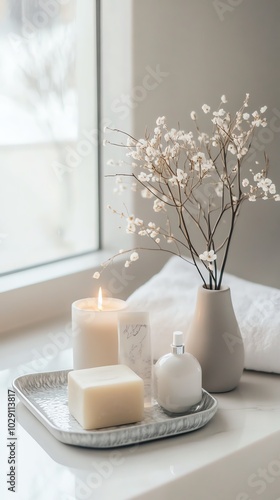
105 396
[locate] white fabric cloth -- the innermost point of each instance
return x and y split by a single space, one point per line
170 298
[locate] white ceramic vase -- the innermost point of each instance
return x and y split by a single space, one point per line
215 340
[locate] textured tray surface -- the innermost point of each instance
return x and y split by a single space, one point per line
45 395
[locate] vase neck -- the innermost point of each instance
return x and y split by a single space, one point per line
223 288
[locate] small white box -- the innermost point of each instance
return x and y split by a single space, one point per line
105 396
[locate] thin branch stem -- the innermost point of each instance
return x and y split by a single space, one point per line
178 171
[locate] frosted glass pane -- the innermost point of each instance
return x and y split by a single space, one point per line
48 123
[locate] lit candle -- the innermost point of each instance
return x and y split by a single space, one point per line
95 331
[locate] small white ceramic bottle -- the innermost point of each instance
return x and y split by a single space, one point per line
178 378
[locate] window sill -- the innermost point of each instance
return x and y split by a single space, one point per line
52 271
46 292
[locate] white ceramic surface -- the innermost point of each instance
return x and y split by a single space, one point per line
221 461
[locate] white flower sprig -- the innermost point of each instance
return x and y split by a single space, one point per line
202 179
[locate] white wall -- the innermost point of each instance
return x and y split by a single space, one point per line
118 75
209 52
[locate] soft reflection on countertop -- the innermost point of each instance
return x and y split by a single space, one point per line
216 462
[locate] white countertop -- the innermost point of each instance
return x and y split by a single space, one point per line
235 457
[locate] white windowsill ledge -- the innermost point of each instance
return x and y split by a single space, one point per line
46 292
54 270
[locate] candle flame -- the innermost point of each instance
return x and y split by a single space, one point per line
99 303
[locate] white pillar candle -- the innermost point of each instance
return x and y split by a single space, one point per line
95 332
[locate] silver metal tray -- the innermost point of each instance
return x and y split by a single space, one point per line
45 395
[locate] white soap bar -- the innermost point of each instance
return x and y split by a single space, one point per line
105 396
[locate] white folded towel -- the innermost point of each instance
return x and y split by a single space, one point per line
170 298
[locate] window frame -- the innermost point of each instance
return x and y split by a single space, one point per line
92 38
27 295
45 293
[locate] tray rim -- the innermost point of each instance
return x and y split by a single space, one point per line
61 434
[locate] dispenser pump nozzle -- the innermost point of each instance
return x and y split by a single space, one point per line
178 346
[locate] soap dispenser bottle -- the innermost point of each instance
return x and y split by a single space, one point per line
178 378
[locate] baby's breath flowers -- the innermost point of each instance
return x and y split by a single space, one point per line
202 178
208 256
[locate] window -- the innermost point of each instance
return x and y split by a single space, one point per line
48 131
